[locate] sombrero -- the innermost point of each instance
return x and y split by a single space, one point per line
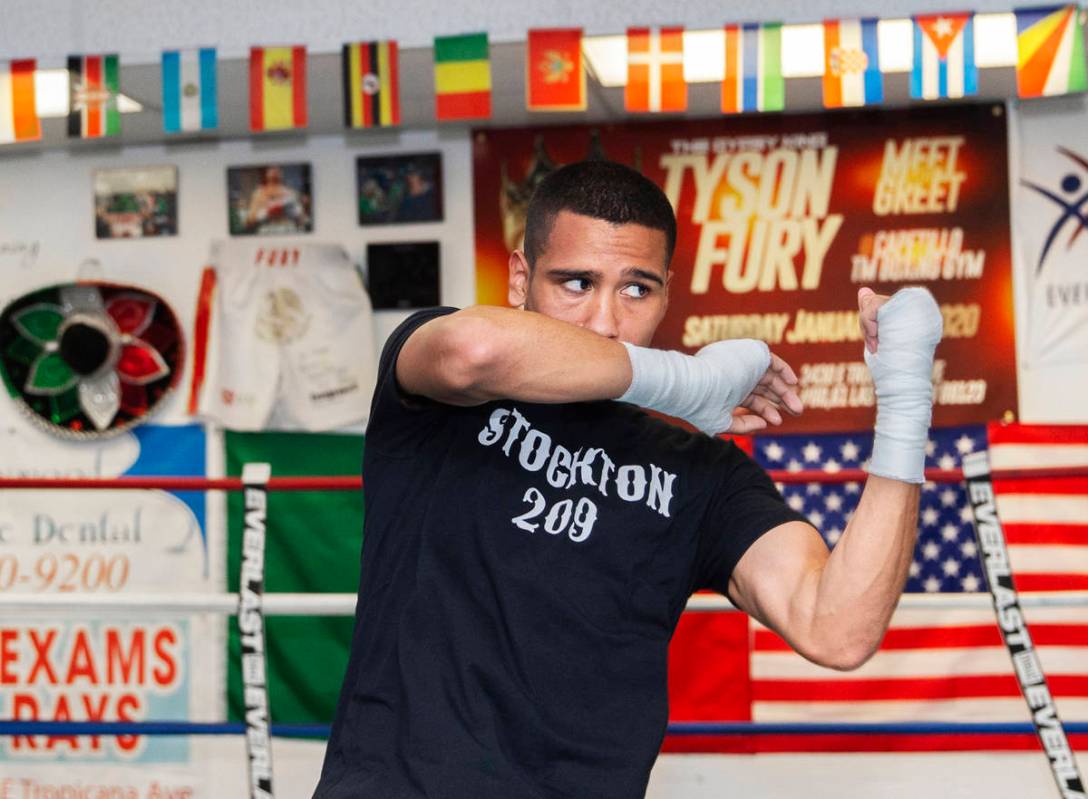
89 359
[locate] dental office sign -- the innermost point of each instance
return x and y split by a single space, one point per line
73 665
782 218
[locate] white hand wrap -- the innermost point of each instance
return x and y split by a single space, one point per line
702 389
909 326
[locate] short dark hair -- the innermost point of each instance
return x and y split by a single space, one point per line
600 190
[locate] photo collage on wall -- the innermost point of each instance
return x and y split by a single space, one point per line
401 189
276 199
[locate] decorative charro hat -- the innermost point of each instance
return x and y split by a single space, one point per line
89 359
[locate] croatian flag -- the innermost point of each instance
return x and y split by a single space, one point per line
851 63
944 57
189 97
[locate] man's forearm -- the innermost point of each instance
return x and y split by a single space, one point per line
484 353
860 585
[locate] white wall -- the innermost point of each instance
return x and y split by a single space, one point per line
46 207
139 29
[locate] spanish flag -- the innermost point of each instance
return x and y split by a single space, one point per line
277 88
371 93
18 111
462 77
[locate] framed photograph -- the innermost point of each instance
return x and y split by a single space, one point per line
392 189
135 202
403 275
270 199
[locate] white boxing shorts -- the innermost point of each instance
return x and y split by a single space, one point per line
284 338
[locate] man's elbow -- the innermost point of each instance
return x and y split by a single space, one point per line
467 354
843 655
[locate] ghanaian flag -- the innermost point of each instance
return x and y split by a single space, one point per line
462 77
371 93
277 88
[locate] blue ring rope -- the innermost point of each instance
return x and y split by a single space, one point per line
63 728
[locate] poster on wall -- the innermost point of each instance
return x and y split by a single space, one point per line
1051 197
136 202
78 665
270 199
781 219
394 189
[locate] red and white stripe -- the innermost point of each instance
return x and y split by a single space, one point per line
1045 521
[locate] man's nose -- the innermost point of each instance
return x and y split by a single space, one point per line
602 318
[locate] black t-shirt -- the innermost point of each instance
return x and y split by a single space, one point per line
523 569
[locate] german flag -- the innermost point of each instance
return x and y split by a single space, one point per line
371 90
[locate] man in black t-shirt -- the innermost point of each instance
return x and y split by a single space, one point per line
532 536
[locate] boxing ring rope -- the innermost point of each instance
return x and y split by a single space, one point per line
288 604
355 482
341 604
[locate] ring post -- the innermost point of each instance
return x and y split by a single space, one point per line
251 630
1014 628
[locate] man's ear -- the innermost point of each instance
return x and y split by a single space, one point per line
517 287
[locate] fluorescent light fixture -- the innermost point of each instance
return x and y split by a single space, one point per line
51 94
802 50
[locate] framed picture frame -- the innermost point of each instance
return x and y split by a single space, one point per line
270 199
402 275
397 189
136 202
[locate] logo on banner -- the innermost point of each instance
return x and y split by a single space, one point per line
1071 198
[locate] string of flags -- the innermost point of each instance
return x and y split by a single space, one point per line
1050 61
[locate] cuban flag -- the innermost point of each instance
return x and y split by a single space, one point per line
189 96
944 57
851 63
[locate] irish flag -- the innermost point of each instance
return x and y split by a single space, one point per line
18 111
1050 51
462 77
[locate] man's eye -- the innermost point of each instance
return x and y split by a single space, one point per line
576 284
636 290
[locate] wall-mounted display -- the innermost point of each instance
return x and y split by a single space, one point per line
270 199
403 274
89 359
399 188
135 202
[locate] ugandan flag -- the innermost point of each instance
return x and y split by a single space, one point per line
277 88
462 77
371 90
93 87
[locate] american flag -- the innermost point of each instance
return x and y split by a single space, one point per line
937 662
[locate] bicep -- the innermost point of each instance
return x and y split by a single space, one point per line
775 580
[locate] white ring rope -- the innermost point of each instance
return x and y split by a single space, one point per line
286 604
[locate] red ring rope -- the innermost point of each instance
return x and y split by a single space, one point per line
355 482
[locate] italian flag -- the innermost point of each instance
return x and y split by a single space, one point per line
462 77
